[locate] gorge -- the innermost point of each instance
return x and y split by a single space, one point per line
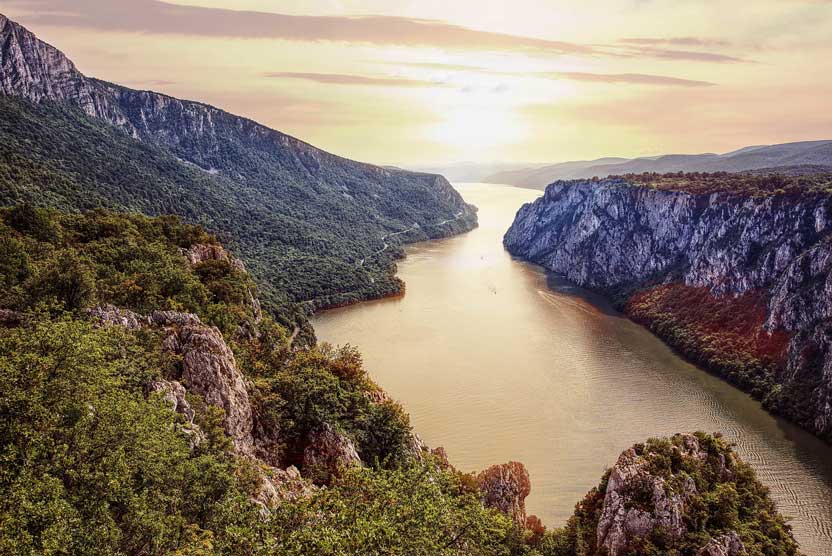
496 359
158 399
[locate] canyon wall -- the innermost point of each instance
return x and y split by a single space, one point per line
762 257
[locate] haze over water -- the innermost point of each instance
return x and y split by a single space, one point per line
495 361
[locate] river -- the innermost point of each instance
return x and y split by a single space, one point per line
496 361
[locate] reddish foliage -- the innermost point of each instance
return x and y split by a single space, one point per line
535 530
724 327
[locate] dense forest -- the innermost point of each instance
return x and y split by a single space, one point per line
309 241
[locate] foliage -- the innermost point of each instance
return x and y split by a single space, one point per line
411 511
77 261
744 184
728 497
302 226
89 466
323 385
723 334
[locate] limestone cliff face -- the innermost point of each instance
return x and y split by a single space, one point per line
616 237
638 502
505 488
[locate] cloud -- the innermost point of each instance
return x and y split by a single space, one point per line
157 17
675 41
346 79
687 55
631 78
150 83
438 66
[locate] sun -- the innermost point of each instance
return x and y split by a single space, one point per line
475 130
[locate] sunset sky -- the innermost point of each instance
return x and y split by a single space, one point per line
436 81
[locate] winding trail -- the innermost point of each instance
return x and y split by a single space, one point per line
410 229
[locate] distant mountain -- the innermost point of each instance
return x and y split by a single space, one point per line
528 177
311 226
461 172
793 155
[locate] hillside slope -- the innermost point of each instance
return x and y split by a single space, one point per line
800 154
312 225
732 270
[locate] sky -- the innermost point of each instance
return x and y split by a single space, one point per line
418 82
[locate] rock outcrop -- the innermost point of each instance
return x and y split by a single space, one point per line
638 503
209 369
327 454
505 488
110 315
728 544
279 485
617 236
643 497
203 252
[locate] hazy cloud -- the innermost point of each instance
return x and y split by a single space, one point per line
346 79
674 41
438 66
632 78
150 83
153 16
689 55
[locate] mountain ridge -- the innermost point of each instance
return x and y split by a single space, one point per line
751 158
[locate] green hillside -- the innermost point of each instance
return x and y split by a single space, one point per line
304 239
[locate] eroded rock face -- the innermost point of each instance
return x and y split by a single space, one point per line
210 370
174 394
110 315
614 236
728 544
638 503
505 488
280 485
327 453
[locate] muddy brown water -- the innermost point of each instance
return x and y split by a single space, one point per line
496 361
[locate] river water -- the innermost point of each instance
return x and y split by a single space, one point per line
496 361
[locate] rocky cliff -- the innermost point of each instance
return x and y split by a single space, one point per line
732 271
